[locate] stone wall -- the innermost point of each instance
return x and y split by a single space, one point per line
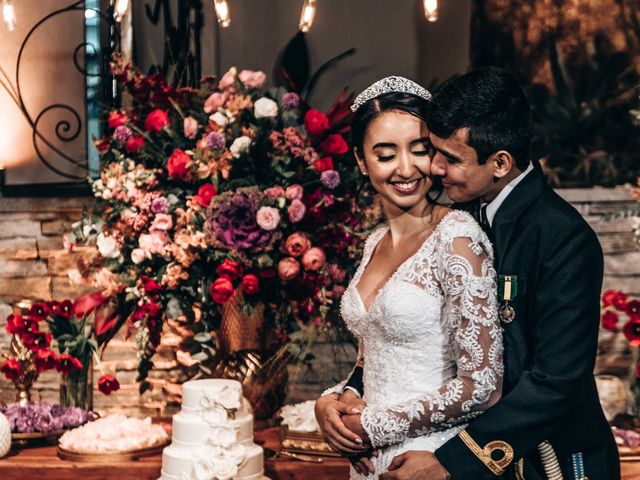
33 265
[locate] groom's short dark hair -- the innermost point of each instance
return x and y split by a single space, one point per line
492 104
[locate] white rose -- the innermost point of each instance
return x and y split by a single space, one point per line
239 146
138 256
215 416
108 246
223 436
219 119
265 108
204 470
229 398
225 469
236 453
300 417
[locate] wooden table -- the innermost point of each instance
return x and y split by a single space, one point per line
42 463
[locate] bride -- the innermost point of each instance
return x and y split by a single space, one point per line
422 303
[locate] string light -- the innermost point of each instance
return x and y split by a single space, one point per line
222 11
120 9
307 15
9 15
431 10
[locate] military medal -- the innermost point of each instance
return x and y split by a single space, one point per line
507 289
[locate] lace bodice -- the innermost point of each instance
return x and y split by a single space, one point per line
431 339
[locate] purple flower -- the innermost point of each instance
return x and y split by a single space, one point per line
330 179
44 417
290 101
121 134
160 205
215 140
233 222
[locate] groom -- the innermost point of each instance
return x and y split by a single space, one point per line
550 269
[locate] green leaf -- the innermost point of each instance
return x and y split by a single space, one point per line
202 337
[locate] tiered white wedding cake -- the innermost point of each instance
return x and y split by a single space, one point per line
213 435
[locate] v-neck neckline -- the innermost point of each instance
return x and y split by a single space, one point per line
363 267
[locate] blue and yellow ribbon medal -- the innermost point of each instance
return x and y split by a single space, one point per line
507 290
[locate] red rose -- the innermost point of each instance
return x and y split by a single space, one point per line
222 290
315 122
134 143
15 324
229 269
177 164
116 119
108 383
334 145
205 193
150 285
102 145
68 364
156 121
11 369
250 284
324 164
610 321
620 301
608 297
633 309
45 360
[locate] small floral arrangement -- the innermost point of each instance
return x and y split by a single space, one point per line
68 324
43 417
229 192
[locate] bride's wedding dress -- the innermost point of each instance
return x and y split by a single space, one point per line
431 341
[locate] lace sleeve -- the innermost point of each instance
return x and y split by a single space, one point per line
468 282
339 388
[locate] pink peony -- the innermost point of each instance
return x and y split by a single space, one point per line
268 218
288 268
162 221
252 79
215 101
296 211
294 192
297 244
190 127
313 259
228 79
153 242
274 192
138 256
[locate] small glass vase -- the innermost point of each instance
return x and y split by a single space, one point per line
76 389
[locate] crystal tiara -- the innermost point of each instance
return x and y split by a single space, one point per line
388 85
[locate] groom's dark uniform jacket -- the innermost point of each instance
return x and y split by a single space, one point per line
549 392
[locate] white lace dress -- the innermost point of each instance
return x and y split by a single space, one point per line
431 341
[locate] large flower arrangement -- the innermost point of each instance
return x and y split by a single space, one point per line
229 192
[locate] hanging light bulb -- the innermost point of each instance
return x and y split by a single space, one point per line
120 9
222 11
307 15
431 10
9 15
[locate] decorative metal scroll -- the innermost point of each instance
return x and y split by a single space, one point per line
66 129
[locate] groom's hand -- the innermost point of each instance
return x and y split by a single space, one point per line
416 465
329 411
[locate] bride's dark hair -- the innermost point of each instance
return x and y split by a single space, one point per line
394 101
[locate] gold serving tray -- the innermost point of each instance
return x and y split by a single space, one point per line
109 457
305 443
35 438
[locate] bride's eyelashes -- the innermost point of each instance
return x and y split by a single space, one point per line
417 153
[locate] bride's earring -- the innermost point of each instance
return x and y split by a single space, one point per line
364 173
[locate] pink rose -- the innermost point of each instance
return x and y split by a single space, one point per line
297 244
268 218
296 211
228 78
190 127
138 256
313 259
294 192
162 221
153 242
252 79
288 268
274 192
215 101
